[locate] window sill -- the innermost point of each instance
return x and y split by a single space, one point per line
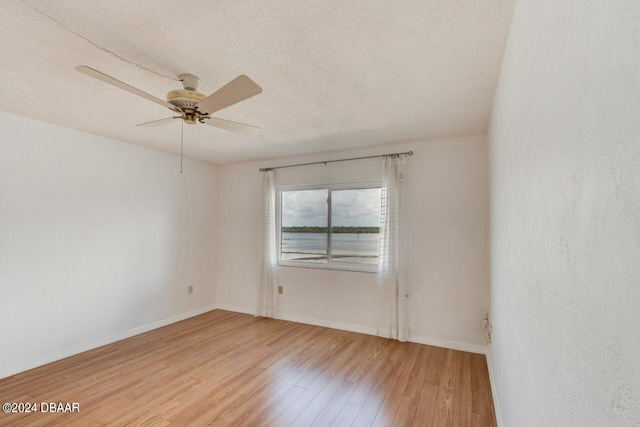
372 268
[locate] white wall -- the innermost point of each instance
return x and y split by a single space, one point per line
565 225
447 205
98 241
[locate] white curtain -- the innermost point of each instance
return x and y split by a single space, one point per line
266 292
392 286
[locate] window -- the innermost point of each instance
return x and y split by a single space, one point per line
331 226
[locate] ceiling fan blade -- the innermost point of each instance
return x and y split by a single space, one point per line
159 122
232 126
238 89
117 83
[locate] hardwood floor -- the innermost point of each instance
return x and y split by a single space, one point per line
231 369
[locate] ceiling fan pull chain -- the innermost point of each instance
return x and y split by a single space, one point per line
181 143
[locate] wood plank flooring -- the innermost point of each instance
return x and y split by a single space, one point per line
230 369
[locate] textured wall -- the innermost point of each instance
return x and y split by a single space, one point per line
565 222
98 240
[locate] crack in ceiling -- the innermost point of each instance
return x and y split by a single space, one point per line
128 61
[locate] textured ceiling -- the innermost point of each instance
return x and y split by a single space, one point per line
334 74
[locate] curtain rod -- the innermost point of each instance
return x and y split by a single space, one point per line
407 153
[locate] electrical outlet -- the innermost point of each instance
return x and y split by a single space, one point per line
280 290
190 289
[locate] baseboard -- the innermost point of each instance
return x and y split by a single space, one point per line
419 339
492 382
305 320
236 309
103 341
453 345
328 324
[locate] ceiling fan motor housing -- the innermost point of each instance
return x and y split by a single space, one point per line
187 100
189 97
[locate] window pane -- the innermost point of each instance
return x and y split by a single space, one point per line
304 225
355 225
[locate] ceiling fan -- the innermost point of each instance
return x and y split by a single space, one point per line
191 106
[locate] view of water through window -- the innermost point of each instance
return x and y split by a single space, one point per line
345 247
355 226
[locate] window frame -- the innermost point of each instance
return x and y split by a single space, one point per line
329 265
